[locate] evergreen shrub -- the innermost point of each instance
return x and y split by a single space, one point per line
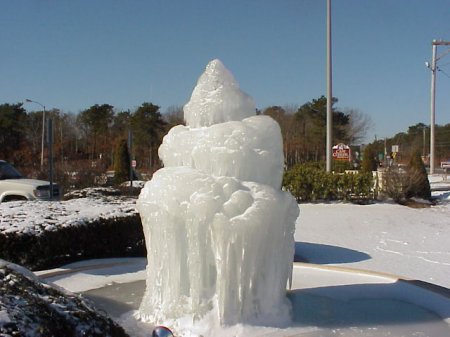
121 163
418 184
369 162
404 183
308 182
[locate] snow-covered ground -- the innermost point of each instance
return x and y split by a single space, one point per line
382 237
389 238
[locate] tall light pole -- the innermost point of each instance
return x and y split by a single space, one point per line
329 92
433 69
432 106
43 129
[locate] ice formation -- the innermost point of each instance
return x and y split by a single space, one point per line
217 99
218 228
249 150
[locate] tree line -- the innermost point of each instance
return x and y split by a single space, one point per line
304 129
415 139
84 143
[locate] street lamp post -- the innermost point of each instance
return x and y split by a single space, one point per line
433 69
329 92
43 130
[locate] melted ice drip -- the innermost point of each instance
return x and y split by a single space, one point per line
218 228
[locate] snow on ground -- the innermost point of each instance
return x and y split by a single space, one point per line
382 237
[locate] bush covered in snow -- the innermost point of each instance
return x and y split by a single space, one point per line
47 234
30 308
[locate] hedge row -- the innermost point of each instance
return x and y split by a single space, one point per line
98 239
310 183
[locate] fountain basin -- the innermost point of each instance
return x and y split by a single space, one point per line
327 301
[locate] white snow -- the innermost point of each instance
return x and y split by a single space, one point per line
4 317
383 237
218 228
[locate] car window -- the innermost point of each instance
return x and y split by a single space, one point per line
7 171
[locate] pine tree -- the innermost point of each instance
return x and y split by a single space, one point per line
369 162
418 186
121 163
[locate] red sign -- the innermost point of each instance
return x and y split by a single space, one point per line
341 152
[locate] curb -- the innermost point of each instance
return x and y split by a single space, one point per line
443 291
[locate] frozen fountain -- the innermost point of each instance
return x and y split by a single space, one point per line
219 236
218 228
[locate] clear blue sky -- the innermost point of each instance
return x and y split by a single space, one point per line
71 54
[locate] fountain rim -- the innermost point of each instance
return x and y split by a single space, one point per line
427 295
113 262
435 288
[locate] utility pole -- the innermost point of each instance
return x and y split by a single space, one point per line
433 69
329 154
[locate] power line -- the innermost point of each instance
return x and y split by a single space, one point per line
439 69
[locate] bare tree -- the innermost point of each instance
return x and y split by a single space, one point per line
360 124
174 115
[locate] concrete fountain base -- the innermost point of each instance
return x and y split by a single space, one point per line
351 302
327 301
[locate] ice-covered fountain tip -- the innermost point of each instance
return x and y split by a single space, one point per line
217 98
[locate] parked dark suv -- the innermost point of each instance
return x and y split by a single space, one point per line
14 186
